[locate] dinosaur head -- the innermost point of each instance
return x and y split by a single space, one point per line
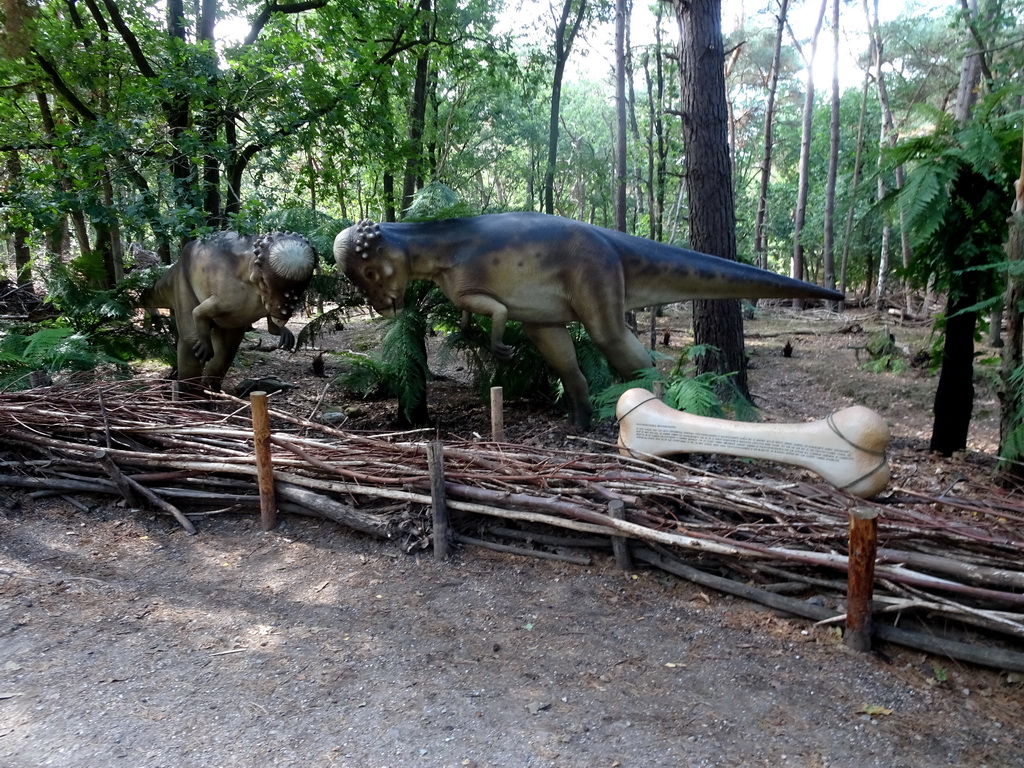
282 267
363 255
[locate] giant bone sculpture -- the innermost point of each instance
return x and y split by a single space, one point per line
847 449
546 271
221 286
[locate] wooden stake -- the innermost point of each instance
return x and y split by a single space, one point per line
497 415
264 465
861 577
620 544
435 465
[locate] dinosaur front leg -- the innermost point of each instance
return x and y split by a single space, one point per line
555 345
287 338
202 320
482 304
226 342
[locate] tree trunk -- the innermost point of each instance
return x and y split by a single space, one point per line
887 139
22 254
565 34
656 149
954 397
833 162
1011 412
760 241
798 270
210 119
853 188
413 179
705 118
621 9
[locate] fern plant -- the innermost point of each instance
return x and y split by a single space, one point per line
684 390
53 350
94 328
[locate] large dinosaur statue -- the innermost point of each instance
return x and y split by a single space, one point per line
219 287
546 271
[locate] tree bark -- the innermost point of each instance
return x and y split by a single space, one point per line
853 190
565 35
760 240
1011 412
656 152
705 117
833 162
798 270
413 179
19 237
621 9
887 139
954 396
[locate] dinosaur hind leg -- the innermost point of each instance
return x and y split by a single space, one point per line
555 345
624 351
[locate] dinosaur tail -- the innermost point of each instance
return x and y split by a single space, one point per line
671 274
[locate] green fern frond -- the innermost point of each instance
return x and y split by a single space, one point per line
367 377
697 395
605 401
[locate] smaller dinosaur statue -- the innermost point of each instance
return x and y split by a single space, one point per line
546 271
222 285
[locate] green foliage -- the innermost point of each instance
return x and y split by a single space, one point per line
399 367
1011 448
317 227
436 201
684 391
53 350
955 197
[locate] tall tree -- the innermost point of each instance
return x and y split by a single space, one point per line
970 190
887 139
657 153
800 217
760 239
705 119
622 8
414 177
833 158
567 27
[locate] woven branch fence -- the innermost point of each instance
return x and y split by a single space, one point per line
942 562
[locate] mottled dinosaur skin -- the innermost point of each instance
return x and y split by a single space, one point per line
546 271
221 286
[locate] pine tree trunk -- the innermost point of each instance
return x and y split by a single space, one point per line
620 115
413 177
798 270
760 241
833 162
853 190
565 34
709 177
887 139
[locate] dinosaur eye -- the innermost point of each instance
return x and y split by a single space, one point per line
370 274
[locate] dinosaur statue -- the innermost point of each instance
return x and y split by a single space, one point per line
219 287
546 271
